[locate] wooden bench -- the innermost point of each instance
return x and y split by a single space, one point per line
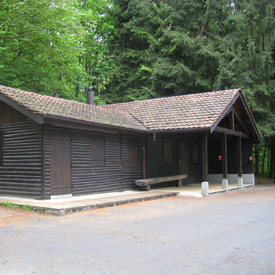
144 184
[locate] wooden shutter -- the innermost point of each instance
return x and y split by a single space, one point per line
133 151
98 151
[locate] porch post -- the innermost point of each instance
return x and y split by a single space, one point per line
205 157
240 166
224 161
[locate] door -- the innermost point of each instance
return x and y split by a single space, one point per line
183 157
60 163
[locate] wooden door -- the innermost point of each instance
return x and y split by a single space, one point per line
183 157
60 163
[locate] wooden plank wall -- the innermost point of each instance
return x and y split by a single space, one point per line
87 179
215 149
131 173
116 174
247 152
157 167
20 174
232 155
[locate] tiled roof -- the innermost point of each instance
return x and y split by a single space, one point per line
47 105
192 111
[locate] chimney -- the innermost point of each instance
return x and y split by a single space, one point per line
90 94
56 93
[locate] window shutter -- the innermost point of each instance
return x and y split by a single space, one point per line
98 151
133 151
167 152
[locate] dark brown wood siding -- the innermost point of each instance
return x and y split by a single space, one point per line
232 155
215 149
158 167
247 151
20 174
130 172
10 115
115 175
47 164
89 179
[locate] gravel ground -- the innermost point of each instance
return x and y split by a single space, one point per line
224 234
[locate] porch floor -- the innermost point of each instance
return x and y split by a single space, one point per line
194 190
64 206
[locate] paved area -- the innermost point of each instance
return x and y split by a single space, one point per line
64 206
223 234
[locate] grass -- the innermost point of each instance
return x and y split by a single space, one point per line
11 205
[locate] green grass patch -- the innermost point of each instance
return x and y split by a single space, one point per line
11 205
8 204
26 207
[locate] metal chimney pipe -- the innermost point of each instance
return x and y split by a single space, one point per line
90 94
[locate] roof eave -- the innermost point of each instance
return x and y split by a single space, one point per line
55 118
184 130
214 126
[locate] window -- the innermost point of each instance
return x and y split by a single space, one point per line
167 152
195 152
98 151
133 151
1 148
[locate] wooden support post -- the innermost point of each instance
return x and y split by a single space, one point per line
205 157
224 155
239 151
232 122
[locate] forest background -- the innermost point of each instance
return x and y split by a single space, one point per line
140 49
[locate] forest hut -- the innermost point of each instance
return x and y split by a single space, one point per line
52 147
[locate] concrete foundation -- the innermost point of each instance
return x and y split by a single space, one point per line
240 182
225 184
232 178
205 188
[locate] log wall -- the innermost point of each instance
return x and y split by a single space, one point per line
215 149
114 176
158 168
20 172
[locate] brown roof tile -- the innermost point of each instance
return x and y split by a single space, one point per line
47 105
193 111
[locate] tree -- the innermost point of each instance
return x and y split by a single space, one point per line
39 45
99 27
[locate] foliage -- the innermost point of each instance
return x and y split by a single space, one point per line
139 49
39 45
98 25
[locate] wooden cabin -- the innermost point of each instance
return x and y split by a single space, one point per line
52 147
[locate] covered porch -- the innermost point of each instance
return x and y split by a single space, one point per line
218 157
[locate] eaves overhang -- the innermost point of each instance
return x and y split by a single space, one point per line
66 121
